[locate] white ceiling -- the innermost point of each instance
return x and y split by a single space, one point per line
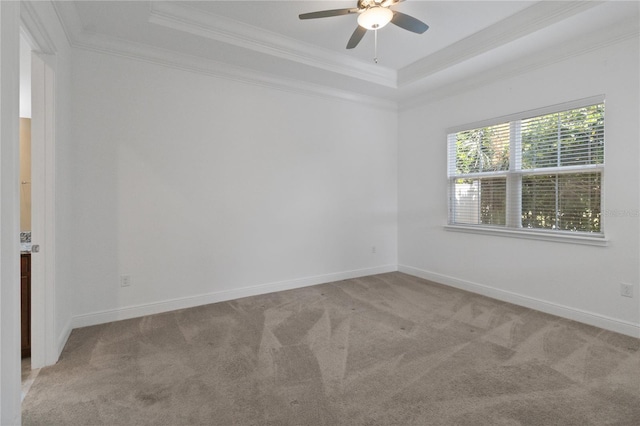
265 40
397 47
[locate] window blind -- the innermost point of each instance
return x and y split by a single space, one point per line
538 172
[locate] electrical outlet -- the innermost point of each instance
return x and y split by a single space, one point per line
373 249
626 290
125 280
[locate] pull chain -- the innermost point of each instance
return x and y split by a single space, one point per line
375 45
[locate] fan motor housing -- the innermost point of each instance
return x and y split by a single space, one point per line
365 4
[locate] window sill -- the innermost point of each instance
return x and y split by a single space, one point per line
554 236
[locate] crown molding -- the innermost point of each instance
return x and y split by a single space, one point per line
185 18
69 20
142 52
412 89
81 39
622 32
34 30
527 21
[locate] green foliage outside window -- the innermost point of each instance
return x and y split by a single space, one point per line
483 150
566 138
577 197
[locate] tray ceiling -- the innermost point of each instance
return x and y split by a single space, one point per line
265 40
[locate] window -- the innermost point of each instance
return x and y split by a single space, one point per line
537 172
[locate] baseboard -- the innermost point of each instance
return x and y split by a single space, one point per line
219 296
597 320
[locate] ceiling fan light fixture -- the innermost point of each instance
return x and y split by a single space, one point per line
375 17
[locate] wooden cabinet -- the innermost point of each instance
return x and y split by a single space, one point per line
25 303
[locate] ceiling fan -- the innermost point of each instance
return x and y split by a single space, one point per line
372 15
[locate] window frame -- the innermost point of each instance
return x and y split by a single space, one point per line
513 222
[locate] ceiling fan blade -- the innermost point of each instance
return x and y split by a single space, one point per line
409 23
356 37
389 3
327 13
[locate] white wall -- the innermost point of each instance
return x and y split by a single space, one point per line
581 282
25 78
195 185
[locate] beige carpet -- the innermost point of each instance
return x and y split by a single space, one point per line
388 349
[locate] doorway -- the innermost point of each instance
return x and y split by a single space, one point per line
28 374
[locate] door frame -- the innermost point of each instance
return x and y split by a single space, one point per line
44 345
44 349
